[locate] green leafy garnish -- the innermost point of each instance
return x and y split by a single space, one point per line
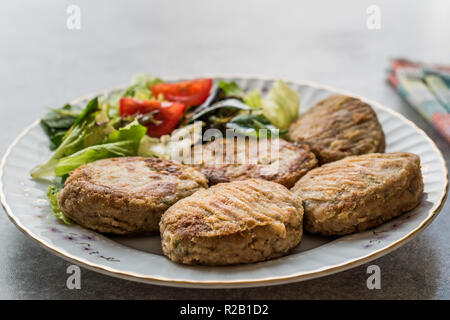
79 136
56 123
251 124
52 195
227 104
253 99
120 143
231 89
92 137
281 104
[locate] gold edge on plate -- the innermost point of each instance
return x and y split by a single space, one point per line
263 281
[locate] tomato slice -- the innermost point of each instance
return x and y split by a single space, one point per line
168 114
190 93
131 106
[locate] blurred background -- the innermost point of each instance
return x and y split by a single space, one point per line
43 64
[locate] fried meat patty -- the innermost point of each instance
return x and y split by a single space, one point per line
230 223
337 127
359 192
126 195
269 159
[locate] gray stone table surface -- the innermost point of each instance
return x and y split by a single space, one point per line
44 64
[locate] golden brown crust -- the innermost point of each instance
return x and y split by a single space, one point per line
337 127
237 222
126 195
359 192
246 161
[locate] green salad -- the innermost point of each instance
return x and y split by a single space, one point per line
143 119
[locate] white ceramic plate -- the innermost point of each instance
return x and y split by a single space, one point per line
140 259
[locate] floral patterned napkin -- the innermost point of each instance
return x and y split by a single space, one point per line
426 88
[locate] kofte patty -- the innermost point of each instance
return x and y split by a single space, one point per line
226 160
337 127
359 192
230 223
126 195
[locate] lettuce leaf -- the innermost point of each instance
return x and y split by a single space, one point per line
120 143
251 124
222 105
281 104
57 121
253 99
80 135
52 195
93 153
231 89
133 131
